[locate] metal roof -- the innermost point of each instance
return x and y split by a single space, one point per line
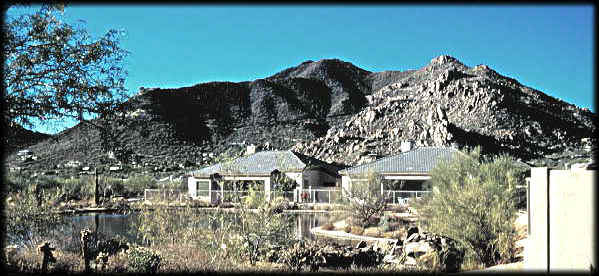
416 161
262 163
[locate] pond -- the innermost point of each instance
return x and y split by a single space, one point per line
109 225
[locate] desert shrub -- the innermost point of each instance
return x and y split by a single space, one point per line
118 262
473 201
46 182
347 228
328 227
279 204
136 185
302 254
29 216
160 225
16 182
78 188
26 260
396 208
384 224
254 198
66 263
372 232
283 183
365 203
392 226
262 231
357 230
373 221
226 205
142 259
117 186
112 246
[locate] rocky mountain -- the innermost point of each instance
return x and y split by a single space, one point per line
17 137
332 110
448 103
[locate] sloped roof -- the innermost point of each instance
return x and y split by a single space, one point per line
417 161
263 163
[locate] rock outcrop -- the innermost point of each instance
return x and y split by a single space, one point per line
419 251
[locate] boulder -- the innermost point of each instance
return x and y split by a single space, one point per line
418 245
361 244
411 231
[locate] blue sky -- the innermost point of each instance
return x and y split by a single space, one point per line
549 48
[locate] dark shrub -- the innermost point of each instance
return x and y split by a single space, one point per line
328 227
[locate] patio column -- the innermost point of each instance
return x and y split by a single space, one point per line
267 188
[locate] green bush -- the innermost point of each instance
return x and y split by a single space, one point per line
46 182
143 260
117 185
78 188
29 217
473 201
16 182
136 185
254 198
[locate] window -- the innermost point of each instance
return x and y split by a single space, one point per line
202 187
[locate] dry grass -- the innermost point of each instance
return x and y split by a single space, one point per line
372 232
397 234
28 260
357 230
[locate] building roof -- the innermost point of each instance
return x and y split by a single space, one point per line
263 163
420 160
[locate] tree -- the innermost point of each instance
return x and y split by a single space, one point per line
55 71
364 198
474 202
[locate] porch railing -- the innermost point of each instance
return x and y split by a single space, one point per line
234 196
319 195
401 197
164 194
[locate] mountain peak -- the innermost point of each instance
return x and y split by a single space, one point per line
321 68
443 59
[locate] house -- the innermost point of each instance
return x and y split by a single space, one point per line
26 155
262 169
404 175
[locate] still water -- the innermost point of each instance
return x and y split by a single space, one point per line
67 235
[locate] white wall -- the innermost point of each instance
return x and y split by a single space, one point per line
562 226
192 186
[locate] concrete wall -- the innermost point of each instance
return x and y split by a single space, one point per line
562 226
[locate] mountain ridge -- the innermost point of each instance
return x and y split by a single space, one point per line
335 111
